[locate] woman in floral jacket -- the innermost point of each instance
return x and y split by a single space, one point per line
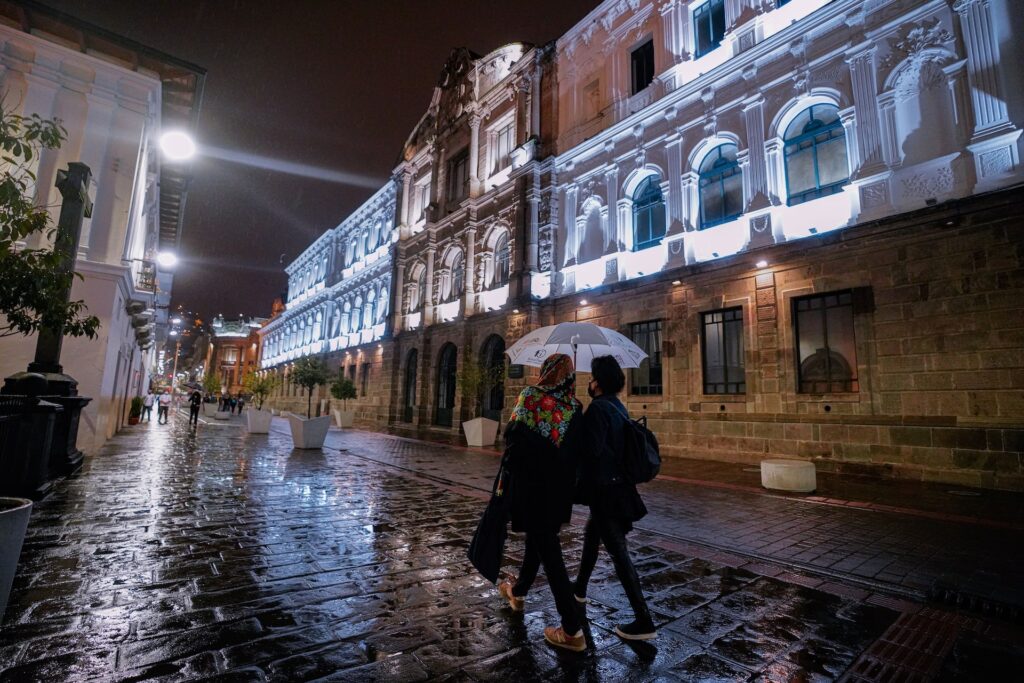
539 486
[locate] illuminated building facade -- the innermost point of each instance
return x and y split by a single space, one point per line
115 98
234 351
338 304
801 210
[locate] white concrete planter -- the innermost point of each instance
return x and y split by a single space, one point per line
783 474
209 409
258 421
222 415
480 432
309 433
344 418
14 514
275 411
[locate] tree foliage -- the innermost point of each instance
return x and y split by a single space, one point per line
32 283
309 373
343 389
259 387
476 379
211 384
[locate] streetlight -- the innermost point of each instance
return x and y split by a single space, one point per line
167 259
177 145
176 321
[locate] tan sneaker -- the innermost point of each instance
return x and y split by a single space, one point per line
505 589
559 638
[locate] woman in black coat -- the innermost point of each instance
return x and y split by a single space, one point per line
541 474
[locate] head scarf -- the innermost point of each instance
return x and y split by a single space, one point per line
549 407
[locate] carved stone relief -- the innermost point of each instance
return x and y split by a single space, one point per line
925 185
996 162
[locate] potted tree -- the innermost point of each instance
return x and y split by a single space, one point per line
343 389
259 388
211 385
475 379
309 431
135 411
14 514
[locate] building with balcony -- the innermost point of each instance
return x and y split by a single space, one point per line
114 97
233 352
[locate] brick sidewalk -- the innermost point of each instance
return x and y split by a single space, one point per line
226 556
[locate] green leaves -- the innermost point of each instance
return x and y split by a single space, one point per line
32 284
309 373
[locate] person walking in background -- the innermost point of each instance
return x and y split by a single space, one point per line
241 404
232 403
540 483
147 406
163 409
195 402
613 500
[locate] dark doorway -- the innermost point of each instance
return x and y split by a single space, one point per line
446 369
492 356
409 403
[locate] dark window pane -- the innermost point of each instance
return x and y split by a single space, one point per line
642 66
826 347
815 154
723 352
647 379
709 25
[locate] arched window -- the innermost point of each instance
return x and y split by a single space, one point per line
421 290
721 187
445 400
648 213
369 312
816 164
411 362
382 304
501 261
458 277
357 314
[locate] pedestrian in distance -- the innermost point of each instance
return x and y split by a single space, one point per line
195 401
602 485
232 403
241 404
147 405
163 408
541 473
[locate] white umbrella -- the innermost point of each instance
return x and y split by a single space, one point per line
582 342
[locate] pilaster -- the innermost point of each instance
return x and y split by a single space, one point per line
865 97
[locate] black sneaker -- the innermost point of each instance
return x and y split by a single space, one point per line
636 630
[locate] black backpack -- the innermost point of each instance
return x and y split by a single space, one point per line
641 458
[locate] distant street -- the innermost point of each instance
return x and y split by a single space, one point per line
220 555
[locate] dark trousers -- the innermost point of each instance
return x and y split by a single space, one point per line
612 533
147 413
193 415
161 413
543 548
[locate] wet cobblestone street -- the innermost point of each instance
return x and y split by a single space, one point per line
220 555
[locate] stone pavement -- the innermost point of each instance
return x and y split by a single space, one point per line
219 555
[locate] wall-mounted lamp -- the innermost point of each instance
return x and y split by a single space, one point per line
515 311
761 264
583 302
677 282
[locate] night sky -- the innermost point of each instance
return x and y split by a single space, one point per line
333 86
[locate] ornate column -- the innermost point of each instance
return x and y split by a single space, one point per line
469 278
569 258
887 120
524 105
670 28
474 153
397 295
428 285
611 185
987 99
532 232
406 199
674 151
865 98
756 171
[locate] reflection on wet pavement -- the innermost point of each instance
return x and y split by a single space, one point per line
180 556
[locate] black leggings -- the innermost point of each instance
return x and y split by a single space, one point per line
193 415
543 548
612 532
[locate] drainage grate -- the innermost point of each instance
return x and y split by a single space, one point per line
965 494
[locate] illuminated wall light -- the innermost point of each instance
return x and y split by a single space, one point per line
583 302
515 310
677 282
762 264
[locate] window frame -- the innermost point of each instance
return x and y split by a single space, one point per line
364 379
740 387
809 136
502 262
641 66
844 299
718 174
458 162
650 205
648 388
706 11
506 130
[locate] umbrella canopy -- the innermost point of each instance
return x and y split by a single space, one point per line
581 341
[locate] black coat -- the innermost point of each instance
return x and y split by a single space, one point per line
540 478
600 477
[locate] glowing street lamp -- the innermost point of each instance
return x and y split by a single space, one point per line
176 321
167 259
177 145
